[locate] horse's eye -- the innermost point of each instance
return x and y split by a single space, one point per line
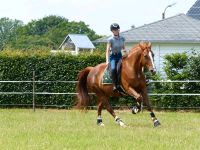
146 56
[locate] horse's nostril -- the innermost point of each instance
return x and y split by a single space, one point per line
153 72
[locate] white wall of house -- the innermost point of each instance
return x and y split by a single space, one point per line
161 49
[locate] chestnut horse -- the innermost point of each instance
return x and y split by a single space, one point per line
132 80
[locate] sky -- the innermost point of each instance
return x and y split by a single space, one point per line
98 14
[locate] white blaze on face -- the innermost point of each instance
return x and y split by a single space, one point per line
151 57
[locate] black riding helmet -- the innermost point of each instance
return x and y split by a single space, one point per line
114 26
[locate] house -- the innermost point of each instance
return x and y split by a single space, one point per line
179 33
75 43
194 11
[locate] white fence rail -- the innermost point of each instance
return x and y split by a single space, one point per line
68 93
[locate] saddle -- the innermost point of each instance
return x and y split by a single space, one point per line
106 79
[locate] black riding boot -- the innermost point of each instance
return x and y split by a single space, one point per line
114 81
116 86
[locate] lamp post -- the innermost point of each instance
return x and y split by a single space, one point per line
163 14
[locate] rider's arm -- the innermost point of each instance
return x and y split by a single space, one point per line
107 52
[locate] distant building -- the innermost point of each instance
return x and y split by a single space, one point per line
75 43
194 11
176 34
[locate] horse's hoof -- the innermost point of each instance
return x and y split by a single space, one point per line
101 124
119 122
156 123
123 125
135 110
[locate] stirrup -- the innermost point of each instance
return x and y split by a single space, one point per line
119 89
115 89
147 82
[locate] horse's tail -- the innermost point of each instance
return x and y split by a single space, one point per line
81 89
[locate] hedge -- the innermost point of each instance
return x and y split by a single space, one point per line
19 66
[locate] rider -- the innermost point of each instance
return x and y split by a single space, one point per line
115 47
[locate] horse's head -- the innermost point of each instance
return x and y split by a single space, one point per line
148 56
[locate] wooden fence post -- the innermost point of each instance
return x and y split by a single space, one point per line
33 90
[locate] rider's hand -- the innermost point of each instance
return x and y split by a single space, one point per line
125 54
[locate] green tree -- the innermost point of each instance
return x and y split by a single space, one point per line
101 46
8 28
180 66
192 71
81 28
49 32
174 65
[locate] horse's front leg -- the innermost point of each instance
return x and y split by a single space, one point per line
135 94
147 103
136 109
138 99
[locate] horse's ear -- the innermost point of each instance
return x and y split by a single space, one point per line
142 45
149 44
145 52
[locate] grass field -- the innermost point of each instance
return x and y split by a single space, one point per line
23 129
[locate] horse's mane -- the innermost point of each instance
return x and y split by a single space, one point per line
141 45
133 48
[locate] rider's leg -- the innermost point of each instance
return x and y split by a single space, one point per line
113 73
114 59
118 68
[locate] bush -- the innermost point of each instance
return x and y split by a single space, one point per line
19 66
179 66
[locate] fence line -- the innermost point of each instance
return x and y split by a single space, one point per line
33 92
151 81
38 81
48 93
174 81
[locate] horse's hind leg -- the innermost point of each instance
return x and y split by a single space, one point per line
111 111
99 109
